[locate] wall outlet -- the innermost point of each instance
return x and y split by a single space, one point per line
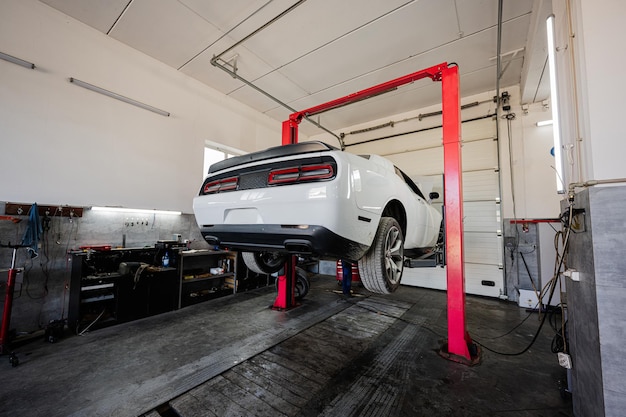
565 360
573 274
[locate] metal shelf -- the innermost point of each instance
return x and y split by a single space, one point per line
191 280
214 284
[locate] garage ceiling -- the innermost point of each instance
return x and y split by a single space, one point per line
323 49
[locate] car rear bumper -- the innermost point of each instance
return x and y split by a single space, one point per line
297 240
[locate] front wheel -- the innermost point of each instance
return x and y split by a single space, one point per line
264 262
381 267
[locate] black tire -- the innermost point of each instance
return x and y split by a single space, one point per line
382 266
302 284
264 262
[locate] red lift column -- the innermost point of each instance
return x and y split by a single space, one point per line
290 132
459 340
286 284
6 311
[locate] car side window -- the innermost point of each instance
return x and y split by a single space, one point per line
409 182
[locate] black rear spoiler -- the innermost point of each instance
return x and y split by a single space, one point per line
270 153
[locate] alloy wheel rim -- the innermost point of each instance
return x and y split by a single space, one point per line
394 258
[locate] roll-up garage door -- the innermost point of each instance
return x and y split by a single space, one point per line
420 155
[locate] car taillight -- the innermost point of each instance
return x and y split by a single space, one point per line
300 174
281 176
226 184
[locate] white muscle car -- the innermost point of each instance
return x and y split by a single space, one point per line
312 199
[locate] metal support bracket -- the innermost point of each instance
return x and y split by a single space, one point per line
231 62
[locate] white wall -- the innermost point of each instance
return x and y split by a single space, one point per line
62 144
534 179
604 58
531 162
590 58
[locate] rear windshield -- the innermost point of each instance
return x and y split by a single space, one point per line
275 152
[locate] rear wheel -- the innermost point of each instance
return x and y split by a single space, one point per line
264 262
302 284
381 267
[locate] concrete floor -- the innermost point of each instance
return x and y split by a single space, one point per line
368 355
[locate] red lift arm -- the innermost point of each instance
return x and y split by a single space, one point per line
458 338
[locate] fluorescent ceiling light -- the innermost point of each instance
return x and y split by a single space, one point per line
133 210
554 97
544 123
17 61
118 97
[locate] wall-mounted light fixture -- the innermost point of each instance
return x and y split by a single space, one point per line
118 97
544 123
17 61
554 98
133 210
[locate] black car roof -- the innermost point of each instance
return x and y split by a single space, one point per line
270 153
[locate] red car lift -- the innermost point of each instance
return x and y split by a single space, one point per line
8 304
459 341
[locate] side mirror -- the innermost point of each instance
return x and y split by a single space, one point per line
434 195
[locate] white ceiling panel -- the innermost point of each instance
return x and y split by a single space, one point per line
100 15
481 80
226 14
282 42
396 37
476 15
535 84
307 52
238 17
167 31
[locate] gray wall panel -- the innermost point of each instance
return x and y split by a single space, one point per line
597 304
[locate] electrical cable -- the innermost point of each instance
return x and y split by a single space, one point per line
92 323
559 343
512 330
551 284
426 327
563 331
509 117
532 281
28 266
138 273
